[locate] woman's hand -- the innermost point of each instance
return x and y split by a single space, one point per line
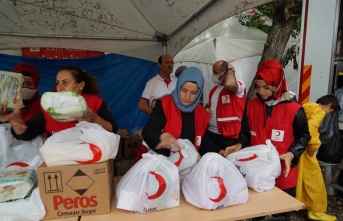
287 157
167 141
232 149
90 116
15 120
3 109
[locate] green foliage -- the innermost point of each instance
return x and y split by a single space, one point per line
266 11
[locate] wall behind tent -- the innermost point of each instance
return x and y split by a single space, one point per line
121 78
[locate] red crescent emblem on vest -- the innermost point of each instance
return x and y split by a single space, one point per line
162 185
19 164
248 158
222 188
96 154
178 162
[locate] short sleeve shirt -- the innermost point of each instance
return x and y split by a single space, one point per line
156 88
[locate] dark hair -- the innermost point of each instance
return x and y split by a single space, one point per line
329 99
179 70
91 85
160 59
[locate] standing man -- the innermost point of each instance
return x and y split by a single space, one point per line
226 106
158 86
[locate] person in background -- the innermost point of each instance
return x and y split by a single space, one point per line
177 116
158 86
226 106
29 91
273 115
68 79
179 70
310 187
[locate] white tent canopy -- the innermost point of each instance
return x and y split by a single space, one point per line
229 40
137 28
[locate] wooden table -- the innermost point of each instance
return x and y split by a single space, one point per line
259 204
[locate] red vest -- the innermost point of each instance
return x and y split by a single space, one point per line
229 111
52 126
278 128
174 120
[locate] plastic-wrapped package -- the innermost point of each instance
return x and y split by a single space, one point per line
10 89
64 106
16 184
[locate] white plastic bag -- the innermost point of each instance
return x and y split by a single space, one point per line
215 183
85 143
16 154
260 165
185 159
27 209
152 184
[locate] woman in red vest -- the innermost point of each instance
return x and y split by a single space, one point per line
275 115
68 79
29 91
177 115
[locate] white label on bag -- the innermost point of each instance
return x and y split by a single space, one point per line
277 135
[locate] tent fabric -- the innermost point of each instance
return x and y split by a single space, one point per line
121 78
137 28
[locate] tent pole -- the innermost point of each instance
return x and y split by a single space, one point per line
164 45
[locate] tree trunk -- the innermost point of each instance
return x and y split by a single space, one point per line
285 12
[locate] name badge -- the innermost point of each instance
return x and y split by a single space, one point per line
225 99
198 140
277 135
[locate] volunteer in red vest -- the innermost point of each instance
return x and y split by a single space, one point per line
274 115
226 106
29 91
158 86
69 78
177 115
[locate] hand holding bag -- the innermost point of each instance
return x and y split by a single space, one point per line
260 165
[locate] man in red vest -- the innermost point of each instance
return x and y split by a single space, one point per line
226 106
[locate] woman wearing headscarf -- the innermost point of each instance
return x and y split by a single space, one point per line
274 115
177 115
29 91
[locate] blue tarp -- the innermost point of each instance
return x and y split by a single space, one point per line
121 78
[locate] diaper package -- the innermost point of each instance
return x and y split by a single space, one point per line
64 106
10 89
16 184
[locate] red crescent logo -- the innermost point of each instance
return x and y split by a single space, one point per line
96 154
248 158
178 162
278 133
162 185
222 188
19 164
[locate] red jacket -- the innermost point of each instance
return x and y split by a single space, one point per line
229 112
52 126
278 128
174 124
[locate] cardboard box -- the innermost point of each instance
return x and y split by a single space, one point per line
123 133
131 147
77 190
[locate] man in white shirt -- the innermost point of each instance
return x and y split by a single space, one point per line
158 86
226 106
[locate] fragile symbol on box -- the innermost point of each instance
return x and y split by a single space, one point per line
53 182
80 182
